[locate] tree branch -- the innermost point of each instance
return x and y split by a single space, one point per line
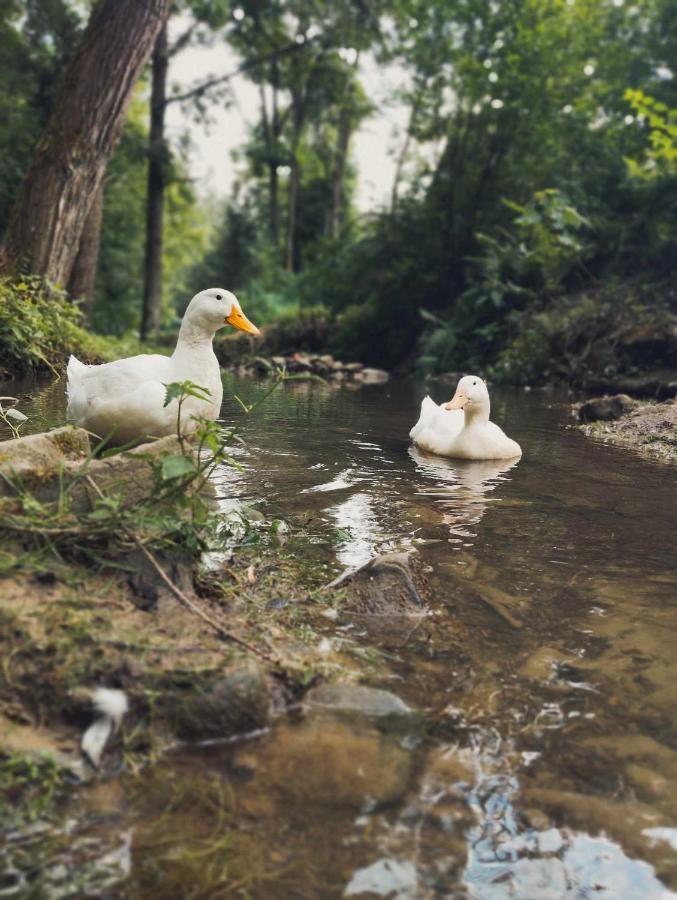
183 39
201 89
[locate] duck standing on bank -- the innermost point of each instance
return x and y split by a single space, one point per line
461 428
124 401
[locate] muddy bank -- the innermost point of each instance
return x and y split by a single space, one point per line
202 653
648 428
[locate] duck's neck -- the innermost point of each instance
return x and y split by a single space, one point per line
477 413
193 340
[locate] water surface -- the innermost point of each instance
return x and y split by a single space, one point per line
549 764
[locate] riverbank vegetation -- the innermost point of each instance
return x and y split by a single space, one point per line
531 223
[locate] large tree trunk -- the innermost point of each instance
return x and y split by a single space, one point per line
155 198
44 230
83 274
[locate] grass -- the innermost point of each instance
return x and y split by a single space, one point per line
29 786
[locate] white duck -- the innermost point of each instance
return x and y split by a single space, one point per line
124 400
461 428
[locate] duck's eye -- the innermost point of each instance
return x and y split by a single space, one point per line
218 297
474 383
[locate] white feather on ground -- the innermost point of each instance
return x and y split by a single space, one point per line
110 706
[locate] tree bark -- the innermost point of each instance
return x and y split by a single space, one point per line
83 274
69 162
155 197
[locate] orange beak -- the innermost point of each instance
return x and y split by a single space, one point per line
238 320
458 401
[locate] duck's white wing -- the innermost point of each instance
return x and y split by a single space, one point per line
436 425
124 374
125 396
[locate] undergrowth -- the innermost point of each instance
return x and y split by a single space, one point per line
178 515
40 327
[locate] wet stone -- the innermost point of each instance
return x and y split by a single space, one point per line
606 409
235 703
373 376
38 458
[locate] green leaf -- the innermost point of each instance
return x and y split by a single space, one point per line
178 390
176 466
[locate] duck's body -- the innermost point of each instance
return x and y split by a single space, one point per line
123 401
461 428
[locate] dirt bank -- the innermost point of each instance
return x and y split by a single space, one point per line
649 428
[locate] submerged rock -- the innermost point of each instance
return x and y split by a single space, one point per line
385 595
332 763
352 701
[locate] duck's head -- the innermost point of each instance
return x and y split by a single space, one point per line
216 307
471 393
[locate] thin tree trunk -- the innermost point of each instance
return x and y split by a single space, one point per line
298 116
274 185
402 157
342 142
271 135
155 197
294 181
83 274
344 132
69 162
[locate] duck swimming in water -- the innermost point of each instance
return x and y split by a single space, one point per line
461 428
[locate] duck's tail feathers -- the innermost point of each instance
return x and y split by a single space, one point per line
75 390
74 372
428 410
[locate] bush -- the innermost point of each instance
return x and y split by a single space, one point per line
613 329
40 327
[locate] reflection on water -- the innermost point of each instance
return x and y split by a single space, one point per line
460 489
550 763
357 516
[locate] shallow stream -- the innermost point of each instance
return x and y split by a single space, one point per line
547 767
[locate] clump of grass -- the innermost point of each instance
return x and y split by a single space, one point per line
40 327
29 786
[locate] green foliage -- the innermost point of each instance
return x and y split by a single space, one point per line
576 336
40 327
661 156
